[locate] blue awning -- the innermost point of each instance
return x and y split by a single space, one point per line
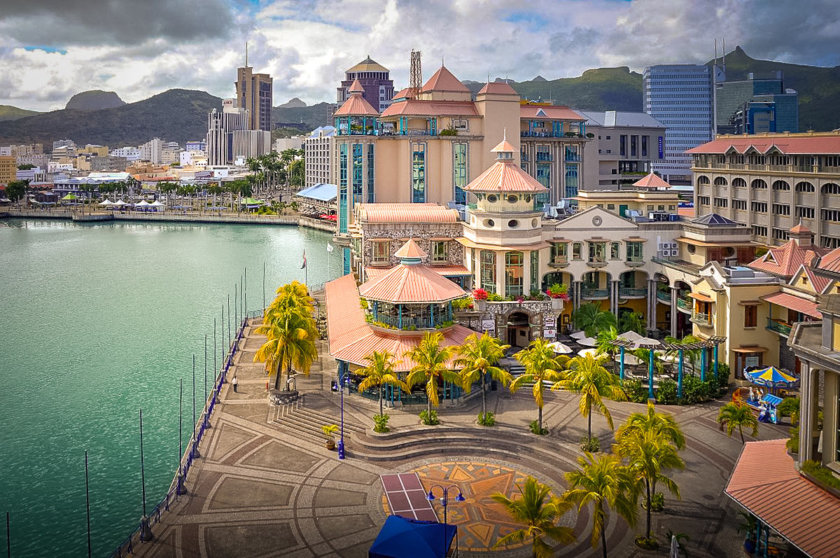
320 192
771 399
401 537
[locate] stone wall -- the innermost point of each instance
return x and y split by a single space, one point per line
422 235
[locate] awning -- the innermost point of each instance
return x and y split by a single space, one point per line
750 303
450 270
747 350
700 297
507 247
794 303
766 483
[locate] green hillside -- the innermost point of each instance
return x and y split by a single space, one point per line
8 112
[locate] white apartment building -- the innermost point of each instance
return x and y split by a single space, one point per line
152 151
318 152
130 154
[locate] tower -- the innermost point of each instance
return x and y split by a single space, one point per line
416 75
254 93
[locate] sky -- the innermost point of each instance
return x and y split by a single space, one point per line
52 49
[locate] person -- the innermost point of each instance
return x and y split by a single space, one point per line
234 383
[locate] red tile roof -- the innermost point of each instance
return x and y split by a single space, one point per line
414 107
356 105
407 284
406 213
410 250
553 112
356 87
818 281
446 270
505 176
784 260
498 88
800 229
831 261
766 483
504 147
651 181
791 302
406 93
789 145
444 80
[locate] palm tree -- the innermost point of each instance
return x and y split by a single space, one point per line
605 483
738 415
632 321
651 421
540 365
648 454
591 319
644 355
592 381
431 366
478 356
538 517
291 343
380 372
606 343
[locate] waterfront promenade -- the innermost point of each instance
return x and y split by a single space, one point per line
266 485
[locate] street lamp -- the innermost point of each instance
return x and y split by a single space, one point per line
343 380
444 501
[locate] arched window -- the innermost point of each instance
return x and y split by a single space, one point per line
720 181
781 185
739 183
830 188
759 184
702 180
805 187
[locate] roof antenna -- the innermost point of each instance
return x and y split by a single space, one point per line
504 134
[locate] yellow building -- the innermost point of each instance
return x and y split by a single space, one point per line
650 195
98 150
8 169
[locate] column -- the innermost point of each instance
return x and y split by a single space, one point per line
806 405
651 304
500 273
614 298
526 273
576 299
674 310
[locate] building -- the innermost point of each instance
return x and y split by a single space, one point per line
625 147
8 169
377 85
152 151
220 128
254 93
771 182
282 144
170 152
193 158
649 197
680 97
319 149
130 154
196 145
97 150
38 160
249 144
756 105
65 143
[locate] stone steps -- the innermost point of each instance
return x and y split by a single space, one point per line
306 422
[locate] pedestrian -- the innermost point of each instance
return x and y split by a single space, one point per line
234 382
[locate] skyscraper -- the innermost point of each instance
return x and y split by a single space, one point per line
680 97
755 105
374 79
254 93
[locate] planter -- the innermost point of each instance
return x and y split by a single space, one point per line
330 444
556 303
481 305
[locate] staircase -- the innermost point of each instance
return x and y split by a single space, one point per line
306 422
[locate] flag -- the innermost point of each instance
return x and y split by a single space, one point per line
304 260
330 247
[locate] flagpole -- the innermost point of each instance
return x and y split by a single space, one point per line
87 503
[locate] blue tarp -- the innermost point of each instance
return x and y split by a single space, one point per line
410 538
320 192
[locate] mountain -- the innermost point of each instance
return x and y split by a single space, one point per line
818 88
175 115
8 112
308 117
94 100
598 89
292 103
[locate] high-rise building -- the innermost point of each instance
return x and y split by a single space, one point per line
151 151
375 81
8 169
220 127
318 154
680 97
254 93
756 105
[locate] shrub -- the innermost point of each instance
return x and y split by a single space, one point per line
647 543
636 392
792 443
429 419
591 445
788 406
381 423
535 428
821 473
495 297
695 391
464 303
480 294
486 419
667 392
449 132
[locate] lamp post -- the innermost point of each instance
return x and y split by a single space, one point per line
344 379
444 501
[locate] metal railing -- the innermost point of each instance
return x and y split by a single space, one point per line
634 292
778 326
701 318
664 296
594 293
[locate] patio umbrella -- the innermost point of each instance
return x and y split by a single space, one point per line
120 203
587 341
770 377
156 203
106 202
578 335
560 348
588 352
630 336
143 203
632 360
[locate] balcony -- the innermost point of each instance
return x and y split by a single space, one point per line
594 294
701 319
635 262
632 292
596 262
559 261
684 305
780 327
536 134
663 296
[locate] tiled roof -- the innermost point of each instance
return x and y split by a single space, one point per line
504 147
505 176
651 181
356 87
789 145
356 105
406 93
831 261
819 282
446 270
498 88
406 213
407 284
414 107
410 250
444 80
766 483
784 260
549 112
791 302
368 65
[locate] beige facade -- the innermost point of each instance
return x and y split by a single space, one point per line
8 169
628 203
254 93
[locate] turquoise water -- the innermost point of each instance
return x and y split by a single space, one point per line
97 322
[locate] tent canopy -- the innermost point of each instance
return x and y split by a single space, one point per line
409 537
770 377
251 201
70 197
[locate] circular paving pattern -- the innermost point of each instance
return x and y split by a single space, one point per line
481 521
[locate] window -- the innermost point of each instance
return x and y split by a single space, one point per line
459 171
758 184
559 253
703 200
644 146
535 271
343 207
439 251
576 250
358 156
805 187
381 252
781 185
831 215
739 183
721 202
634 145
597 252
759 207
739 204
488 271
806 212
514 265
831 189
635 252
759 231
418 173
780 234
614 249
781 209
611 206
750 316
622 145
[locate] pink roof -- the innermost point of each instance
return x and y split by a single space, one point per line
800 229
784 260
498 88
356 105
410 250
356 87
408 284
504 147
651 181
549 112
765 482
831 261
406 213
446 270
789 145
505 176
819 282
406 93
791 302
444 80
414 107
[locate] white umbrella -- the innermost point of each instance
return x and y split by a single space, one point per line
156 203
578 335
632 360
587 341
560 348
143 203
120 203
630 336
588 352
106 202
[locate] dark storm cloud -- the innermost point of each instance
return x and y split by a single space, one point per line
100 22
786 31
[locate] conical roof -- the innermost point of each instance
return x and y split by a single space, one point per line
368 65
356 87
411 284
410 251
444 80
800 229
651 181
504 147
356 105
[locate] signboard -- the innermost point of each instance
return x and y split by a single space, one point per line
661 147
751 361
488 325
549 333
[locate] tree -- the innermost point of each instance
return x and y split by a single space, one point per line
538 513
16 190
591 319
651 421
644 355
648 454
380 372
592 382
632 321
606 343
738 415
478 357
541 365
605 483
430 367
26 166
